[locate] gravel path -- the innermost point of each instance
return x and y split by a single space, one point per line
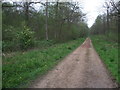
80 69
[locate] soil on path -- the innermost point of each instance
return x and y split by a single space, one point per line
80 69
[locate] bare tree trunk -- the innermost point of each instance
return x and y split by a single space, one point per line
60 31
118 22
56 23
26 11
104 26
46 27
108 19
107 5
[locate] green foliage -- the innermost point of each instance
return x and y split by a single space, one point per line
83 30
8 33
104 27
25 38
20 38
108 52
114 36
9 38
8 46
98 26
44 44
64 21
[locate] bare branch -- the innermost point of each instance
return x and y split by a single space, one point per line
113 4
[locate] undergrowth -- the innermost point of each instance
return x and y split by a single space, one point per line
108 51
20 69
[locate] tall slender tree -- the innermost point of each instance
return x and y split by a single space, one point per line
46 20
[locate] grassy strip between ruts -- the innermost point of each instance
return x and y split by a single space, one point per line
108 51
20 69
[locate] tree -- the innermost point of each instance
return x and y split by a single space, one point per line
109 21
58 21
46 27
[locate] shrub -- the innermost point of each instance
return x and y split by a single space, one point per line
21 38
9 38
25 38
8 46
44 43
8 33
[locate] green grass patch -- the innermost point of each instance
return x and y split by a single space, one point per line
21 68
108 51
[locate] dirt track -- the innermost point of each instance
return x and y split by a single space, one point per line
81 69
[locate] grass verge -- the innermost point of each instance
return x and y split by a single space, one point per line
108 51
20 69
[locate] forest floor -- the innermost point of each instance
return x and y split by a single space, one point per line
81 69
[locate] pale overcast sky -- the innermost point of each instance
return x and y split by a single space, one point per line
92 7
